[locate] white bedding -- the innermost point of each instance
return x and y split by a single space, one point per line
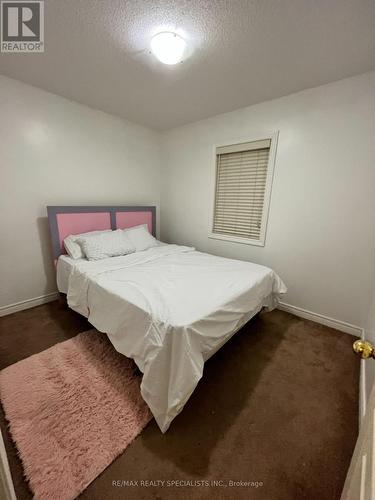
169 308
65 265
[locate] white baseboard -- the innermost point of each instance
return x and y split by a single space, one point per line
323 320
27 304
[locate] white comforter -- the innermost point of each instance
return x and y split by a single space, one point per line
170 308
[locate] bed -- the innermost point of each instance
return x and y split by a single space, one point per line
169 308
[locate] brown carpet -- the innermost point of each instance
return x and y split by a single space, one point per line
277 405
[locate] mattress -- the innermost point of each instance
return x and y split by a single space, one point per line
169 308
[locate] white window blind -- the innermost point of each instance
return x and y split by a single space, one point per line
241 179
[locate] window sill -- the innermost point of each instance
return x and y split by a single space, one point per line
234 239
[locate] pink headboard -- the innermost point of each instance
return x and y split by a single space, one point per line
75 220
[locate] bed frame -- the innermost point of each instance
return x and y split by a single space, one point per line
81 219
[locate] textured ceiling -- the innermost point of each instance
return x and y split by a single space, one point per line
241 52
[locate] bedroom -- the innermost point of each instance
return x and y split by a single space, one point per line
97 126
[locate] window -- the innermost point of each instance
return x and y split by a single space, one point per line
242 191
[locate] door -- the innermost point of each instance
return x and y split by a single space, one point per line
6 484
360 481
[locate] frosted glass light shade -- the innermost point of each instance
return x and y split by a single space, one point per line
168 47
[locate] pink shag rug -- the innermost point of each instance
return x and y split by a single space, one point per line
72 409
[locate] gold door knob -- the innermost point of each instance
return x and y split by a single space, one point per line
364 349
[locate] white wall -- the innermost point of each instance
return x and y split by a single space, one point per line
56 152
321 230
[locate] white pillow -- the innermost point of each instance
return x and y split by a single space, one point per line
105 245
141 238
73 248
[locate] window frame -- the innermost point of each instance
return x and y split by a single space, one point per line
273 137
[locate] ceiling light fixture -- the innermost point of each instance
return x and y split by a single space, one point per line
168 47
